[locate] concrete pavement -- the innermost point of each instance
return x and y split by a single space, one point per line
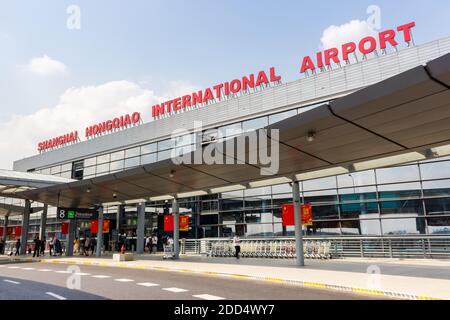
34 280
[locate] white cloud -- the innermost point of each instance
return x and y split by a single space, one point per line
335 36
46 66
76 109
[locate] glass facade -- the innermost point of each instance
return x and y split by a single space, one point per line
410 199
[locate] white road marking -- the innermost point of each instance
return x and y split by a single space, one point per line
82 274
27 268
44 270
13 282
13 267
176 290
63 271
101 277
123 280
208 297
147 284
54 295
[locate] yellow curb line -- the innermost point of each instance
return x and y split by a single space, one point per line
307 284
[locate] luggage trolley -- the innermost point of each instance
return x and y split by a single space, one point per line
168 251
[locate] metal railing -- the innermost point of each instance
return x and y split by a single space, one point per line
426 247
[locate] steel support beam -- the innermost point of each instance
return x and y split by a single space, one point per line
300 259
140 229
25 226
176 228
43 224
100 232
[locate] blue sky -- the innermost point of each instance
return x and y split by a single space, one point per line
170 46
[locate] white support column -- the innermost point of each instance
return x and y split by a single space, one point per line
140 229
100 232
43 225
300 259
71 237
5 226
176 228
25 226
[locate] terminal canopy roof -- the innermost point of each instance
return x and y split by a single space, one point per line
13 182
402 119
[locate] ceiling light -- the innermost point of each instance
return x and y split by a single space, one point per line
134 201
234 187
441 151
161 198
192 194
269 182
389 161
321 173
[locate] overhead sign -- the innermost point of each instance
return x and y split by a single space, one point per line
216 92
79 214
365 46
287 215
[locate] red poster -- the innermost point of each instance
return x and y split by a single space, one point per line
94 226
168 223
64 228
287 214
18 231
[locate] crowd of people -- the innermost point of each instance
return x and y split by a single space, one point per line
55 247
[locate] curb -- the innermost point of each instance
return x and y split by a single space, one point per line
305 284
19 260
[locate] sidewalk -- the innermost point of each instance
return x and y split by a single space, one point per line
418 280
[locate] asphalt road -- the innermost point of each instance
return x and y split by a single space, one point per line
50 281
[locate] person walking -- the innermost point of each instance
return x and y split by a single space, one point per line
17 247
37 247
87 245
76 245
148 244
51 243
43 243
154 244
237 245
93 245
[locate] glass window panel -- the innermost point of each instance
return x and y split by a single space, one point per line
321 197
163 155
403 226
259 230
325 228
166 144
254 124
437 206
103 158
117 165
319 184
45 171
233 194
325 212
210 232
356 179
148 158
357 194
401 207
183 150
67 174
184 140
231 204
369 227
398 191
257 191
435 170
358 210
439 225
398 174
279 199
277 215
436 188
258 202
281 116
132 162
149 148
209 219
282 188
102 168
232 217
89 171
56 169
230 130
119 155
133 152
66 167
90 162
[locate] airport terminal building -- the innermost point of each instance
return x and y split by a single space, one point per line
402 200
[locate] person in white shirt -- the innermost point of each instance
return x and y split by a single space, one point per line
237 245
154 244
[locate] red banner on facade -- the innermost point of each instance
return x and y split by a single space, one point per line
1 231
18 231
168 223
64 228
94 226
287 215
